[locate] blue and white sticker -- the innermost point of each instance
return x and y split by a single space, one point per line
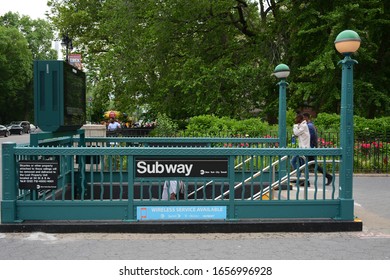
149 213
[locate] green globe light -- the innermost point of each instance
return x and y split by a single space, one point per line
282 71
347 42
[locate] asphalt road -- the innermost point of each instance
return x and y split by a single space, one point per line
372 205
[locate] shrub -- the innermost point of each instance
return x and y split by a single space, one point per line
327 122
371 128
165 126
212 126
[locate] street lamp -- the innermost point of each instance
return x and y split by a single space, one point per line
67 43
282 71
347 42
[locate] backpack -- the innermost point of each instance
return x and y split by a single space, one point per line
313 135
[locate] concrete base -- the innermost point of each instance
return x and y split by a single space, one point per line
94 130
317 225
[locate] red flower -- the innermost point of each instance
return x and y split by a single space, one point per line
377 145
366 146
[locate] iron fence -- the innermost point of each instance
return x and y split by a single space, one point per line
371 153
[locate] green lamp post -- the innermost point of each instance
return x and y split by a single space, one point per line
282 71
347 42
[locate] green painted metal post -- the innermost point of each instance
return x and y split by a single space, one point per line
8 203
81 132
131 213
34 140
346 138
346 43
82 187
231 215
282 71
282 113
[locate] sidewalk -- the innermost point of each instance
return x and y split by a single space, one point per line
372 205
370 195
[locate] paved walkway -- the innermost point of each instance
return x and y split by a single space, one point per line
372 205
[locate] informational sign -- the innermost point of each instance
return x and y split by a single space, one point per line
181 167
75 60
36 175
145 213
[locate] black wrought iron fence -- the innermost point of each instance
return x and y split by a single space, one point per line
372 154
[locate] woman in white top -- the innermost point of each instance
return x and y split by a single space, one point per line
301 131
114 125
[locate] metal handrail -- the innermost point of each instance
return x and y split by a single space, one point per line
286 178
208 183
255 175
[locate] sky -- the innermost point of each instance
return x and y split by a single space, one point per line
33 8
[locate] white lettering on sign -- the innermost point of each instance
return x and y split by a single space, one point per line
158 168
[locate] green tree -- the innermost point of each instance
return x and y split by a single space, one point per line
215 57
179 59
15 73
312 27
38 35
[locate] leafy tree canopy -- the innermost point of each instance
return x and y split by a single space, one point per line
22 40
15 70
215 57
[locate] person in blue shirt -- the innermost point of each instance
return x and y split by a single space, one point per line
314 144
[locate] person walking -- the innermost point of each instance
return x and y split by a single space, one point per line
301 131
314 144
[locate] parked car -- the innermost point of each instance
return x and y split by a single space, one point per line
19 127
4 131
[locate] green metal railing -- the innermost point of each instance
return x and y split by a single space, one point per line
97 179
371 152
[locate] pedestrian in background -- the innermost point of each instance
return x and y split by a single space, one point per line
314 144
114 125
301 132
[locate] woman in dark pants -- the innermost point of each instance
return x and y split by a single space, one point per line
314 144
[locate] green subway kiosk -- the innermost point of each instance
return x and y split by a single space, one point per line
59 96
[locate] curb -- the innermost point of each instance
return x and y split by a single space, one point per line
186 227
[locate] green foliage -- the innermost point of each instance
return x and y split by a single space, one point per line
290 118
213 126
38 33
215 57
165 126
371 128
312 28
15 73
327 122
22 40
363 128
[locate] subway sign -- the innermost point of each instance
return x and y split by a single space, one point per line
181 167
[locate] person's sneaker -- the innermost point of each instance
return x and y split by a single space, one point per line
329 180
